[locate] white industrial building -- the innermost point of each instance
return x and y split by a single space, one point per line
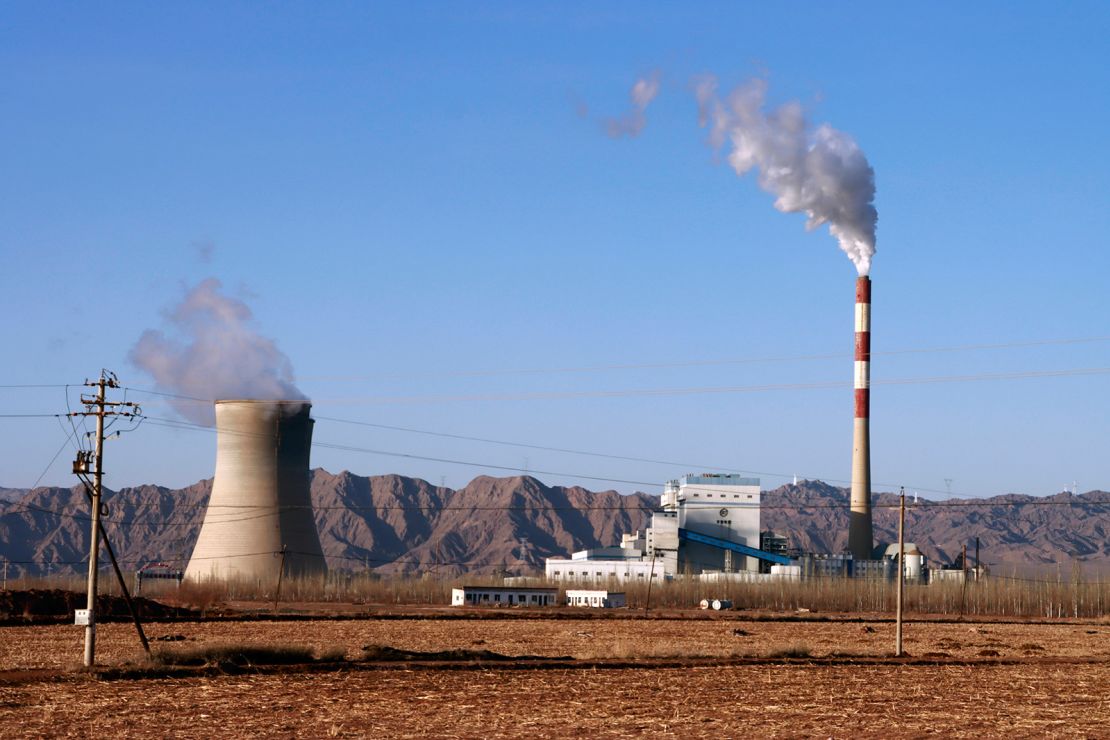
621 564
595 599
706 523
708 527
504 596
716 506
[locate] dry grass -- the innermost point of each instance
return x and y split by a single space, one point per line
791 651
1072 596
239 655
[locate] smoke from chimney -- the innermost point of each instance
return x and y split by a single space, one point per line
820 171
213 352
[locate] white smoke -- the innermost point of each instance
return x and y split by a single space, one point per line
820 171
633 122
214 353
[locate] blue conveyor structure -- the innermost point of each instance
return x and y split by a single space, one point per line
770 557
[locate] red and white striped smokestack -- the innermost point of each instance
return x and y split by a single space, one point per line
860 541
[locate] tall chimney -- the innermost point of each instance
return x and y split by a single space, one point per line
860 541
260 513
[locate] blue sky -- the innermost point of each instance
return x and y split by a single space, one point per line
415 198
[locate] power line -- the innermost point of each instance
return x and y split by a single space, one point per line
180 424
176 423
524 445
688 391
713 362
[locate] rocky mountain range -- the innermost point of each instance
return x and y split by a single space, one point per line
394 524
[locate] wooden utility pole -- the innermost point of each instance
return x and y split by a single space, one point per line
978 571
94 533
651 577
963 591
281 575
901 572
99 407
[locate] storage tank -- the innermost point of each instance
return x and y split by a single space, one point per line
914 562
260 504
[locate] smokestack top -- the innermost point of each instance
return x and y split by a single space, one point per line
863 289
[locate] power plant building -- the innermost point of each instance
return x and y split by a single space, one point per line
711 506
706 523
259 522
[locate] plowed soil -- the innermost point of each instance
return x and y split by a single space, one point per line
652 678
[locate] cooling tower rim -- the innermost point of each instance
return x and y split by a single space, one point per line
268 401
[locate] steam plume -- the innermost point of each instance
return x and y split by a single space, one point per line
633 122
820 171
214 353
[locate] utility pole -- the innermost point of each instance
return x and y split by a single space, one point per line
281 575
978 572
901 572
99 407
651 577
963 564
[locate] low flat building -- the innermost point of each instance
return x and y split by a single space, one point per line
581 567
595 599
504 596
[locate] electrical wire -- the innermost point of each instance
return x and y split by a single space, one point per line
176 423
710 362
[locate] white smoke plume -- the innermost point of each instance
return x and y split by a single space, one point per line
213 353
820 171
632 123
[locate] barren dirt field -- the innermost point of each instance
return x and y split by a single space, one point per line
654 677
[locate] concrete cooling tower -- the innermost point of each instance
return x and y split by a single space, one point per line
260 497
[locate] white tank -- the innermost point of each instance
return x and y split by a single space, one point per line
913 564
260 499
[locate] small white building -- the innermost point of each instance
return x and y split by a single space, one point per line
504 596
595 599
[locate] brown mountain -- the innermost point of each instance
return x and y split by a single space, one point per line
1019 532
496 524
390 523
396 524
